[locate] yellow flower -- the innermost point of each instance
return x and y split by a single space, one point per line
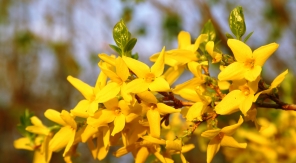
40 144
241 98
66 135
90 105
147 78
222 137
216 57
178 58
118 78
248 64
275 83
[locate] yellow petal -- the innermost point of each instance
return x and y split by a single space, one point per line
201 38
83 88
252 74
54 116
70 138
109 72
106 136
104 117
23 143
210 48
107 58
195 112
210 134
230 102
38 130
213 148
108 92
36 121
278 80
229 130
240 50
173 145
195 68
158 66
229 141
61 138
154 140
148 97
92 148
101 81
137 67
65 115
184 39
172 74
141 155
119 123
80 109
102 151
137 86
263 53
39 157
159 85
234 71
165 109
122 69
187 147
246 104
111 104
154 122
88 132
223 85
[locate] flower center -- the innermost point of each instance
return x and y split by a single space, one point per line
117 111
250 63
245 89
149 77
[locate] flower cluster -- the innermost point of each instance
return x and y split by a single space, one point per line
132 104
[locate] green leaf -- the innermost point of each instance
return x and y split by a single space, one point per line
25 121
237 22
135 56
209 30
248 36
130 45
229 36
120 34
116 48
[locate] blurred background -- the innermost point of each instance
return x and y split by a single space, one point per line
42 42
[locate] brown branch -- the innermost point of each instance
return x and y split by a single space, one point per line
289 107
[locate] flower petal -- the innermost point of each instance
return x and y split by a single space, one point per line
65 115
108 92
195 112
229 130
229 141
184 39
81 109
210 134
154 122
88 132
109 59
234 71
61 138
213 148
159 85
122 69
230 102
240 50
278 80
141 155
103 117
158 66
210 48
83 88
172 74
23 143
137 67
148 97
195 68
165 109
54 116
263 53
108 71
101 81
119 123
252 74
137 86
246 104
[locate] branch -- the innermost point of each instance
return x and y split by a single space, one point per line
278 104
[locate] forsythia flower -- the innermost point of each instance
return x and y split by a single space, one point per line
240 98
222 137
249 64
216 57
147 78
66 135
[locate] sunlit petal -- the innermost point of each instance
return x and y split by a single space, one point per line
264 52
252 74
109 59
83 88
154 122
61 138
230 103
278 80
159 85
137 86
147 96
122 69
234 71
141 155
110 73
229 141
158 66
54 116
229 130
195 112
213 148
108 92
105 117
247 103
184 39
23 143
210 134
210 48
240 50
195 68
165 109
81 108
172 74
65 115
137 67
119 123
